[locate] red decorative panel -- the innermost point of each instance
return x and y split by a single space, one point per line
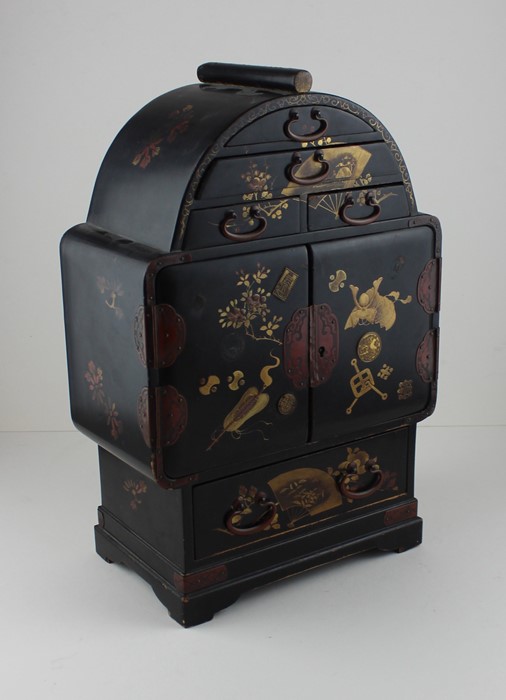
324 344
426 357
172 415
428 286
169 335
295 348
404 512
189 583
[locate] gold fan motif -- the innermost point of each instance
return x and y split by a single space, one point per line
304 492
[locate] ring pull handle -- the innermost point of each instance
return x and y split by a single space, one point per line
296 162
357 494
370 200
302 138
260 524
231 217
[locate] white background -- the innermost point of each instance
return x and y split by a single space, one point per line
72 73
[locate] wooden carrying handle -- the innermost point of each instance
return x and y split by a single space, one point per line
266 77
229 219
259 524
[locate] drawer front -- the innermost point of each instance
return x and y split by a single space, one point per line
314 125
259 177
278 501
356 208
242 222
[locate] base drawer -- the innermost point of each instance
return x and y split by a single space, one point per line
255 507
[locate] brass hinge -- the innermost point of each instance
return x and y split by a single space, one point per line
169 335
428 288
426 356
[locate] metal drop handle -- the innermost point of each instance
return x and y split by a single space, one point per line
302 138
231 217
357 494
259 524
319 157
350 202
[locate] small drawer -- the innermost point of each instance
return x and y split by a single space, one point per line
262 176
356 208
242 222
282 499
310 124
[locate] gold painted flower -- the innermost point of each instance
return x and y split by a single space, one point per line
271 326
255 303
261 273
366 179
232 316
243 278
256 178
251 305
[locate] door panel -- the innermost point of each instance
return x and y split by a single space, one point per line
371 284
240 403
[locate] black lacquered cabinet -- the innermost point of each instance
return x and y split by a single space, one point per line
251 314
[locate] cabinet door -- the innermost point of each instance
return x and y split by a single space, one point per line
380 288
239 405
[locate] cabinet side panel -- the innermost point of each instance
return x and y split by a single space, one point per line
103 287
